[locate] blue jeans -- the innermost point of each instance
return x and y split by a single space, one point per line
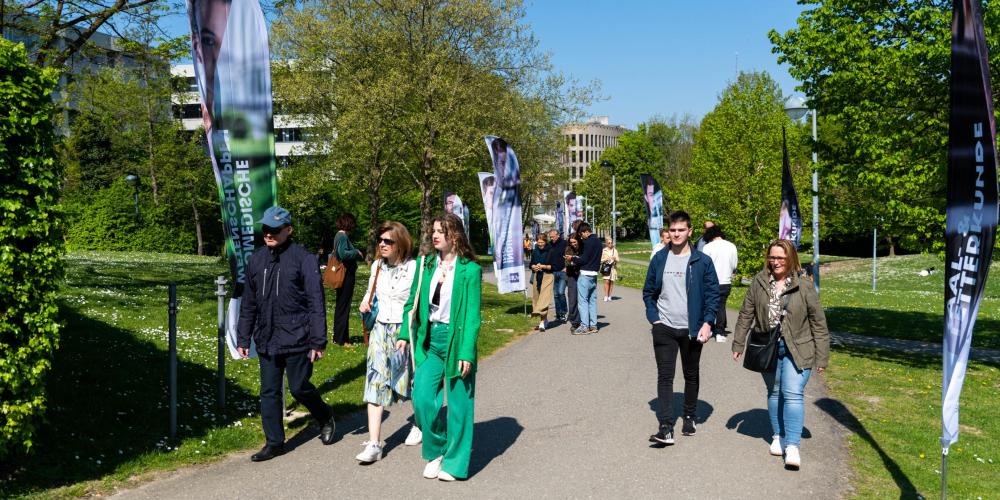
559 289
784 397
586 300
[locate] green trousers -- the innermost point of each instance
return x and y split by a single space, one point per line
452 439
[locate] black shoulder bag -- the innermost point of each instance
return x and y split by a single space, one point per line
762 346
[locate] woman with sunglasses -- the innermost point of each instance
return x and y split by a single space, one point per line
444 329
387 377
778 294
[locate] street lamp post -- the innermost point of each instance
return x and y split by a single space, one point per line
795 108
614 209
134 181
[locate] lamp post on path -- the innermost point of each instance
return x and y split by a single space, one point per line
795 108
133 180
614 209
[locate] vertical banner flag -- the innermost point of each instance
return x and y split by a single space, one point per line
971 219
453 205
535 230
789 218
486 184
573 209
654 207
508 252
560 218
232 68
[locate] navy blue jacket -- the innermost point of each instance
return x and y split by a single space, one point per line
557 255
590 255
702 289
282 305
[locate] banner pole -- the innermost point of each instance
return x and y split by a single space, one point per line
944 473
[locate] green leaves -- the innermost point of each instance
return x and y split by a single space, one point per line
30 245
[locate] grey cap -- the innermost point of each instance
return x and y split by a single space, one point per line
275 217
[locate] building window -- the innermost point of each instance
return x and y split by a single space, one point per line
288 135
574 157
573 172
187 111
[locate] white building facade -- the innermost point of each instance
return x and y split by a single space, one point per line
586 143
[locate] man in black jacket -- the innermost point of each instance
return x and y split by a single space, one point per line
284 312
589 261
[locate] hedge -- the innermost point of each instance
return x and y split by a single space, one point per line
30 245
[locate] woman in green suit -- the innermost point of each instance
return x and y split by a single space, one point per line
444 328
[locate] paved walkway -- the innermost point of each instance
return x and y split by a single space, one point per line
559 416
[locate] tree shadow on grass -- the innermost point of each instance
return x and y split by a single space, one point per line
843 415
108 403
910 325
910 359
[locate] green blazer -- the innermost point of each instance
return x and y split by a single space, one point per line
463 328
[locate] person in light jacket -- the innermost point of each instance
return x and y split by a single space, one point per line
444 329
780 294
387 382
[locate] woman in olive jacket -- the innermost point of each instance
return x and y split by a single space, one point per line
778 294
444 329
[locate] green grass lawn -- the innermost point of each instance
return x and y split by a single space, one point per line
107 422
892 404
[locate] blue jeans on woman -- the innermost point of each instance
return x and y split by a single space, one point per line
586 300
785 386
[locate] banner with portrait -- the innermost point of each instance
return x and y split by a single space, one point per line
573 208
453 205
560 219
486 187
971 218
229 45
508 251
653 198
789 215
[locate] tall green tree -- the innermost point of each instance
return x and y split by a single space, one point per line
30 246
735 175
635 154
402 93
877 72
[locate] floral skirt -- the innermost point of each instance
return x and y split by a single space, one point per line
388 374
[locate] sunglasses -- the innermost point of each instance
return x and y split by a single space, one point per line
387 242
272 230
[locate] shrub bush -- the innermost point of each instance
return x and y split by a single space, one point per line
30 246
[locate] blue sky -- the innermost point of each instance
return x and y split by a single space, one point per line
666 57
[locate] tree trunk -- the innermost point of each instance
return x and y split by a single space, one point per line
197 227
374 205
892 246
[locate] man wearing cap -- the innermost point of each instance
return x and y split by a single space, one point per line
284 312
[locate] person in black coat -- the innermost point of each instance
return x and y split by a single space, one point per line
283 311
589 262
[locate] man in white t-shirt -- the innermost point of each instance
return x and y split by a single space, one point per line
725 258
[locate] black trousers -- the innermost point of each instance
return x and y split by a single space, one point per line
667 343
299 370
342 310
720 317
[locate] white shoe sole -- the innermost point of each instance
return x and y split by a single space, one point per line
433 469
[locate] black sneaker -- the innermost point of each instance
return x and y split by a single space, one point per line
688 429
665 436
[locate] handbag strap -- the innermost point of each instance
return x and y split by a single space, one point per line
371 296
416 304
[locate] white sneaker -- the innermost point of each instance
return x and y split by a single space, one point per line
776 446
792 458
414 437
433 468
720 338
444 476
371 453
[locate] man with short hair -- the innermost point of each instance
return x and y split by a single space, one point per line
701 241
557 249
681 295
589 261
725 258
283 311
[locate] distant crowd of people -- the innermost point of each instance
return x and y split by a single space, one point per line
422 319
